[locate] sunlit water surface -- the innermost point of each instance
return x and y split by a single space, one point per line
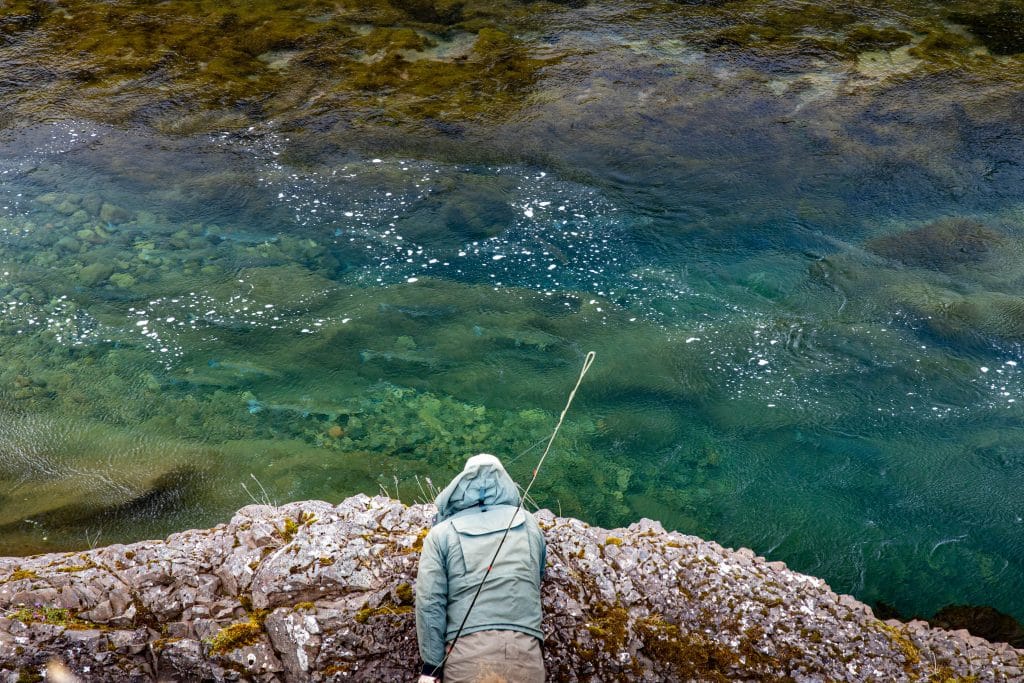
192 323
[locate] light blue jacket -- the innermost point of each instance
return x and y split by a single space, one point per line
472 514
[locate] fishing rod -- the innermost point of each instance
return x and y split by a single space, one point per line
587 362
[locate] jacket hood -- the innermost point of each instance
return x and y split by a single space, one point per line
483 481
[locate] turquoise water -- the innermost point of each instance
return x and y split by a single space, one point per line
801 274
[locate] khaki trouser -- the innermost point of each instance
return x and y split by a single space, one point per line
495 657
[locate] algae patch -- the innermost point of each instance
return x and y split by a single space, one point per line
266 58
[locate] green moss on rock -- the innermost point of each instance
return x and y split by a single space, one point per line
899 638
609 625
56 616
405 594
384 609
238 635
19 574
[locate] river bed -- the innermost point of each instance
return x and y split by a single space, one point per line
277 251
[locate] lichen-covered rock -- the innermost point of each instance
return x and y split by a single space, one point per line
315 592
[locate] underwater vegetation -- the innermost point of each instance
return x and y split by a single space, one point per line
202 66
807 93
999 31
942 245
236 61
956 279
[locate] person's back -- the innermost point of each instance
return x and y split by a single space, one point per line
502 633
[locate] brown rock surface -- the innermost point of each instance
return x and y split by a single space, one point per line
313 592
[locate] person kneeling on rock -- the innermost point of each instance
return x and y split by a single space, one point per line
501 638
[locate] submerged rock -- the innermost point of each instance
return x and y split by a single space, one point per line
986 622
998 31
95 273
113 214
941 245
71 470
313 592
965 319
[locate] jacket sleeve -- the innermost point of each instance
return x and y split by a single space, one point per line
431 600
538 539
543 557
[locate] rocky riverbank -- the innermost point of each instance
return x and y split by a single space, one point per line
314 592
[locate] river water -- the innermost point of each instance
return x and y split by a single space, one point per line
277 251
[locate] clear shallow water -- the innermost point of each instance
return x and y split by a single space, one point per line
311 312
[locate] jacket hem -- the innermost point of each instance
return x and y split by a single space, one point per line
536 633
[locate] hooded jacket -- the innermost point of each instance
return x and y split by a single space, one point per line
472 514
